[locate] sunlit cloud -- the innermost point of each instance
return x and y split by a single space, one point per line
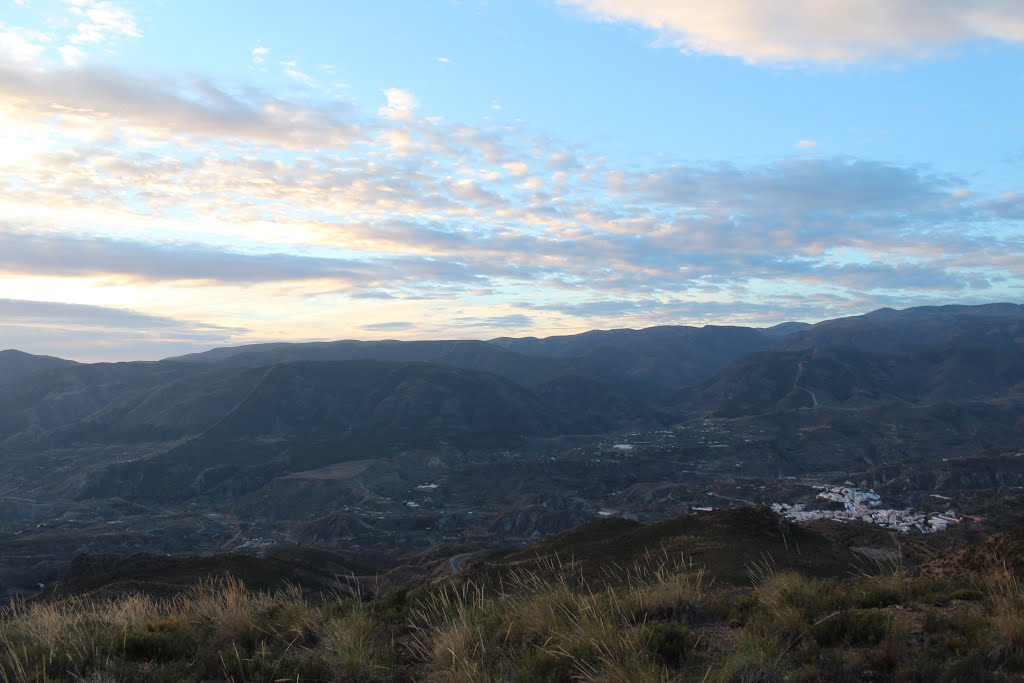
401 105
99 20
839 31
20 46
102 98
71 55
263 215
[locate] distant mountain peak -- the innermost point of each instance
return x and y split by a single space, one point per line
15 365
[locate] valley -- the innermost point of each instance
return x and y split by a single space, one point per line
404 459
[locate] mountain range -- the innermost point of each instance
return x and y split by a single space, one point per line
270 409
388 450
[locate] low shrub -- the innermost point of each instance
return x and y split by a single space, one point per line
853 627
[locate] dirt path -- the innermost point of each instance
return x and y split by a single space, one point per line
797 385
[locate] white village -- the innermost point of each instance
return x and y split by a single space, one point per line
865 506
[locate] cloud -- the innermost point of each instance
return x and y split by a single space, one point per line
291 70
94 333
739 311
166 106
185 186
17 47
562 160
494 322
60 256
71 55
48 313
401 105
837 32
838 184
100 21
675 310
443 60
380 327
806 144
259 54
516 169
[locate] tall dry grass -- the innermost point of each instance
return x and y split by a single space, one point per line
549 620
219 629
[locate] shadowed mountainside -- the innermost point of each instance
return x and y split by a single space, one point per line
227 422
15 365
299 416
831 377
920 328
656 358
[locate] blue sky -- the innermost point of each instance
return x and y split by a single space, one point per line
180 175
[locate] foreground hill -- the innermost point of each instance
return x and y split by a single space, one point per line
576 608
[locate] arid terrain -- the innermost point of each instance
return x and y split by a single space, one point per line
391 455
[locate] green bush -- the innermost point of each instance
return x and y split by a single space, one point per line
881 594
967 594
669 642
167 640
537 666
853 627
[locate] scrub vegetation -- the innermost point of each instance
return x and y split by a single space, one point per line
659 619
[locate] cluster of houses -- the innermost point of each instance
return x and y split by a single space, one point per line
865 506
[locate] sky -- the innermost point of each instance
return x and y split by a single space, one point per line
181 174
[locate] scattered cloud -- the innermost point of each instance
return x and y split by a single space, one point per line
516 169
98 96
99 21
291 70
836 32
401 105
56 255
806 144
259 55
316 201
443 60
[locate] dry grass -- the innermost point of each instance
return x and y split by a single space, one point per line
551 621
659 620
1005 600
218 629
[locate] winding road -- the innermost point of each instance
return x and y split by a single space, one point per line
457 561
796 383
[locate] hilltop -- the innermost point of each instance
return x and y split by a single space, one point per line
758 600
